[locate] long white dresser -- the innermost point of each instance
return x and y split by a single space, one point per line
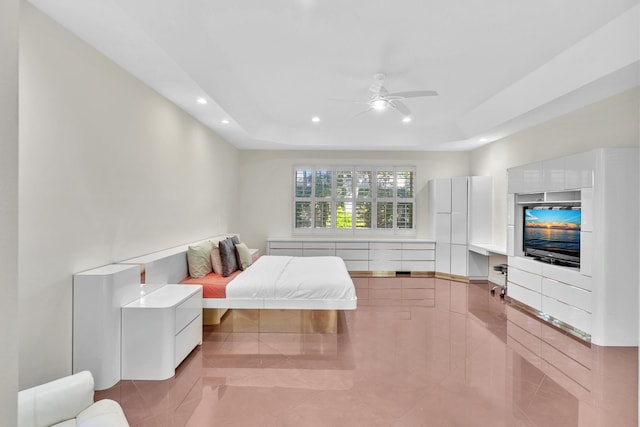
360 255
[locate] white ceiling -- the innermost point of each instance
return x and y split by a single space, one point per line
499 66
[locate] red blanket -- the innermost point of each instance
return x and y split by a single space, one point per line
213 285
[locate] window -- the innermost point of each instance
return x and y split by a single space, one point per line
354 198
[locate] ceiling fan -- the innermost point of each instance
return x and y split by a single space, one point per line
381 99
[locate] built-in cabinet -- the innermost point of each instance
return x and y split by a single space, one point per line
460 214
122 327
359 255
598 300
98 296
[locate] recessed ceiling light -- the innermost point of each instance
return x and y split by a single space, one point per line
315 119
484 139
202 101
406 119
224 121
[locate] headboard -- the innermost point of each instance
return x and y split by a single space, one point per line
169 265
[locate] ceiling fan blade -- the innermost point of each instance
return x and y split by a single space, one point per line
401 107
361 113
414 93
353 101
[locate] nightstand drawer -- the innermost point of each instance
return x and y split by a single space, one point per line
188 310
187 339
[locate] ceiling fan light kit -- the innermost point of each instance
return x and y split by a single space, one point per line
381 99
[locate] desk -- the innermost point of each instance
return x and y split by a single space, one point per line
487 249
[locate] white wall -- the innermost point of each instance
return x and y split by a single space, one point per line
612 122
108 170
9 18
266 184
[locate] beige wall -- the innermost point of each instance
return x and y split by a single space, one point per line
9 13
612 122
266 184
109 170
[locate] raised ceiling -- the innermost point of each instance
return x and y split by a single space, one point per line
268 67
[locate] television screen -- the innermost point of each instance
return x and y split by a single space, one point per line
553 232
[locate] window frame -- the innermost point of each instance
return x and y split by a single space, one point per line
373 199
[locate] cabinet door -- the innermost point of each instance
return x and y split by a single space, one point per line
532 177
515 180
579 170
442 188
459 228
459 255
459 194
554 174
443 228
443 257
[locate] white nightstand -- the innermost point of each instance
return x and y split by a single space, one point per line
159 330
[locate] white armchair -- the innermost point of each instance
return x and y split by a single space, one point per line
67 402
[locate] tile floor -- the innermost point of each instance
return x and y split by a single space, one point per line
416 352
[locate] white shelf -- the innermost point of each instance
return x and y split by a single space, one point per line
487 249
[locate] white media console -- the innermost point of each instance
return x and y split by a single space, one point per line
599 300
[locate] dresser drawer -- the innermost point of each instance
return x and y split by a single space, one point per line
385 245
419 246
188 310
418 265
385 265
357 265
352 245
280 244
353 254
285 251
187 339
318 252
419 255
318 245
526 279
525 296
567 294
568 314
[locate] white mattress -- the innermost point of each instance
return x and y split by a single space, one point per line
284 282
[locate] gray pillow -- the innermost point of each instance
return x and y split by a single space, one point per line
228 257
236 241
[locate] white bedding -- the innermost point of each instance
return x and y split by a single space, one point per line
286 282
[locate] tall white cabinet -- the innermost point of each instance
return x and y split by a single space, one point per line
460 214
98 296
598 300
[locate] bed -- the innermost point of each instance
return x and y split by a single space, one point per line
316 286
283 282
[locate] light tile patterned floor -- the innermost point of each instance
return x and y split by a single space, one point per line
416 352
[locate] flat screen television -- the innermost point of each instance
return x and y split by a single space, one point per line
552 234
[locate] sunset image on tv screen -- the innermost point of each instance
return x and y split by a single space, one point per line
554 230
